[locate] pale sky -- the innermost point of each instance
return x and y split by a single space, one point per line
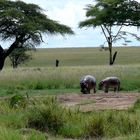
71 12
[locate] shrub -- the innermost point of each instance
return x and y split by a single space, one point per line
137 104
47 117
120 123
18 101
95 127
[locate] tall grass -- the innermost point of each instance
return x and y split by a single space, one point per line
51 117
48 116
67 77
9 134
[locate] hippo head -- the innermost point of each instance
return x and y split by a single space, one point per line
84 87
100 85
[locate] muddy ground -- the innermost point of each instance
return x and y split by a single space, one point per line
90 102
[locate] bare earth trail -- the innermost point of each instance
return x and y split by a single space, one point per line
90 102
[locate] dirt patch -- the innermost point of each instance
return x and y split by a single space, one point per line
89 102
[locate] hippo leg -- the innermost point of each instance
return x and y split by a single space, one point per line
106 89
115 89
84 92
118 87
88 91
94 90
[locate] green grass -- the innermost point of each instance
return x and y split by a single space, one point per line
39 78
9 134
74 124
40 73
47 117
65 79
82 57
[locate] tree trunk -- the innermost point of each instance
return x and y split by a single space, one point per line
4 54
110 54
114 57
14 64
2 60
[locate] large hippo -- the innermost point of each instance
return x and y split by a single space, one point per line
87 83
110 82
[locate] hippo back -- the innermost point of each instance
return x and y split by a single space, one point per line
111 81
88 79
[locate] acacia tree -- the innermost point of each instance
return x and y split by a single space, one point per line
20 55
108 14
25 24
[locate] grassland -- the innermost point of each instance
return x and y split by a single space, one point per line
82 57
41 73
66 77
42 117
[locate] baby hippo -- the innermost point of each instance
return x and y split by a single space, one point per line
110 82
87 83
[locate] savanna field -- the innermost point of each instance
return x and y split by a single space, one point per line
29 105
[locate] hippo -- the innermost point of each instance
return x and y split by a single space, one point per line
110 82
87 83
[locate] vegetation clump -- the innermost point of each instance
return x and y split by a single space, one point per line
18 101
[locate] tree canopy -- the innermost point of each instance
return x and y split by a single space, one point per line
109 13
112 12
25 23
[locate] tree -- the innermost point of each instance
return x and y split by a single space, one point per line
20 55
110 14
25 24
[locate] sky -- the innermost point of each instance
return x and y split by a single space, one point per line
71 12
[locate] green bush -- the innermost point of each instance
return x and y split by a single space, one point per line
95 127
120 123
18 101
137 104
47 117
